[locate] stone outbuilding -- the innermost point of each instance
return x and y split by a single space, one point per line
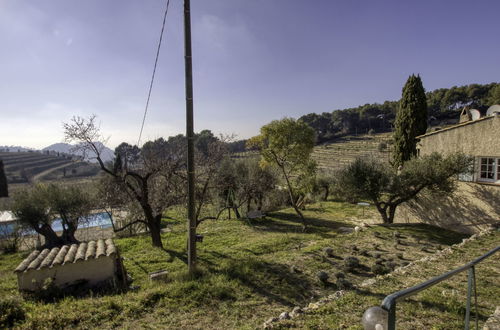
89 263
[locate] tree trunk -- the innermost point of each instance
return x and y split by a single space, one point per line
51 238
155 231
68 235
327 192
392 212
154 227
293 199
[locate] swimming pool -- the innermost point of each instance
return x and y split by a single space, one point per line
102 220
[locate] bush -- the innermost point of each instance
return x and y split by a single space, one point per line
343 284
351 263
379 269
11 311
322 276
382 146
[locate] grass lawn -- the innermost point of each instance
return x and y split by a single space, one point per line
251 272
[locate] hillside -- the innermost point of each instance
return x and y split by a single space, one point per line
334 155
337 154
250 272
23 167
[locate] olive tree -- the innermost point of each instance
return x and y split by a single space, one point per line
37 207
387 188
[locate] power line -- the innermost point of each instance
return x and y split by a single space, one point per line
154 71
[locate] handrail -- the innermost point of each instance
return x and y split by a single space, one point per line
388 305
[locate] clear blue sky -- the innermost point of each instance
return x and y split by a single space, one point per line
254 60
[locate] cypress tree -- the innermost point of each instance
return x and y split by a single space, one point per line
4 190
411 120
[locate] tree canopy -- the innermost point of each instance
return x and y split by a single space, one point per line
443 104
37 207
387 187
288 144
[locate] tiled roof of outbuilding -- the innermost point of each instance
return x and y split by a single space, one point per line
67 254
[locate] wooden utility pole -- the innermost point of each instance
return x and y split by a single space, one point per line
190 137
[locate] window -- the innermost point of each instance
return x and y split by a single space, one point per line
489 169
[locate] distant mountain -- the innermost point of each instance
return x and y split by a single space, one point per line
106 154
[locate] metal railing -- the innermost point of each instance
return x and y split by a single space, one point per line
384 317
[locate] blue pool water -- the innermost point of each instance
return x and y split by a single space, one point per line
101 220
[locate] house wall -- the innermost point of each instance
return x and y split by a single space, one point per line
471 208
477 138
92 270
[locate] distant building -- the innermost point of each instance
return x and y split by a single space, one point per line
478 138
90 264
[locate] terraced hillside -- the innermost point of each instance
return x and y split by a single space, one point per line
336 155
22 167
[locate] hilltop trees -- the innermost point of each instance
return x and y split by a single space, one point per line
411 120
387 188
4 190
287 144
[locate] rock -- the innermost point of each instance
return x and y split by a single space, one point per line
357 229
346 230
160 275
284 316
313 306
493 323
328 251
269 323
296 311
368 282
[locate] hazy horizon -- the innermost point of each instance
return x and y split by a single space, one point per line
254 61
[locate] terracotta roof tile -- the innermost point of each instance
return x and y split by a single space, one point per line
67 254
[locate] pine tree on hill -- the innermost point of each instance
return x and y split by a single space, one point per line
4 191
411 120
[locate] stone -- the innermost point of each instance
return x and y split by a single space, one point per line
297 310
357 229
284 316
328 251
346 230
160 275
368 282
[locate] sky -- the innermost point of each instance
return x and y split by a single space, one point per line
254 61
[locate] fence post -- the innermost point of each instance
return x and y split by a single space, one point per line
469 293
475 296
391 321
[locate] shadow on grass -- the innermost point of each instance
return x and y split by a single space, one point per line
274 281
285 222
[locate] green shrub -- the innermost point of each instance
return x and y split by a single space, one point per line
11 311
351 263
379 269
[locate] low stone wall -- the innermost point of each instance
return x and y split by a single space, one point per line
473 207
93 271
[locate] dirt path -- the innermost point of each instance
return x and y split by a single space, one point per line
37 177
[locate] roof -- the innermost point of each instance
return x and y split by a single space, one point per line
7 216
455 126
67 254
